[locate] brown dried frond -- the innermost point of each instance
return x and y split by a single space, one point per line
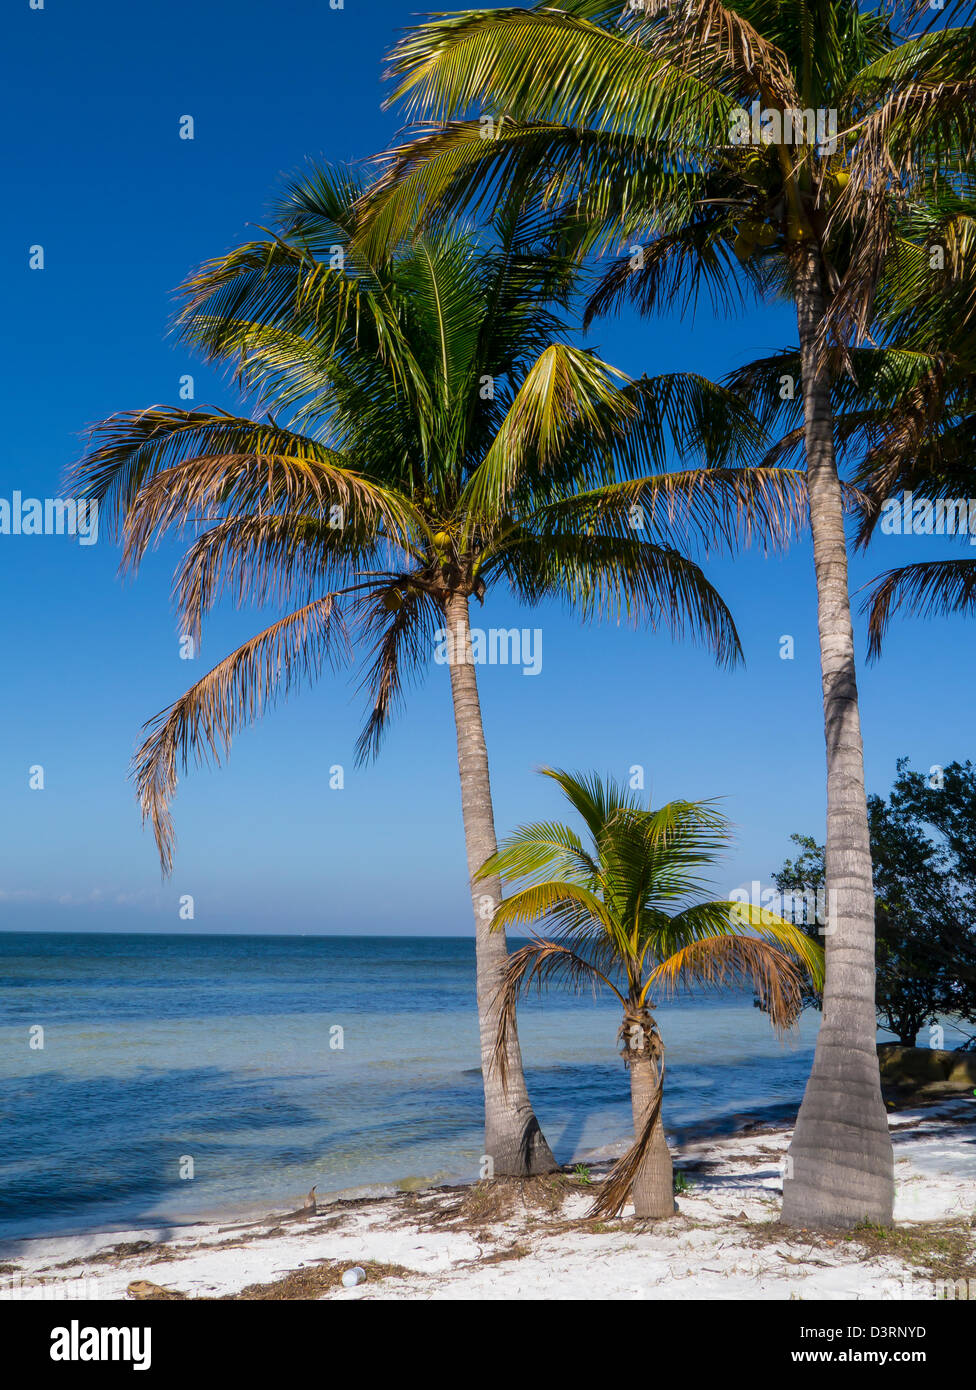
705 37
202 722
537 963
201 488
724 960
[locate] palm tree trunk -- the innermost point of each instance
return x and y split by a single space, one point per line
653 1188
513 1140
841 1167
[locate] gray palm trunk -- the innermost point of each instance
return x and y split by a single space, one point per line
840 1168
653 1187
514 1143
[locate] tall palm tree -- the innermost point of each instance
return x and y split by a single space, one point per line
736 150
443 440
624 913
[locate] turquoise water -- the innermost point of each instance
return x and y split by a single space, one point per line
158 1048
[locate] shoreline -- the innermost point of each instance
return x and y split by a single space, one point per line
533 1238
773 1116
776 1117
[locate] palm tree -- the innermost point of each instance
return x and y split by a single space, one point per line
624 914
736 151
444 440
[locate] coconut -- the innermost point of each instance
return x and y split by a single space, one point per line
744 245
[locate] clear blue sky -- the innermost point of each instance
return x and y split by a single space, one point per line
96 174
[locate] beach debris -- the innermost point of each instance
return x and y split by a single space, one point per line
310 1203
143 1288
354 1276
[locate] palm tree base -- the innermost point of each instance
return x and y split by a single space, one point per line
840 1164
659 1209
653 1189
520 1151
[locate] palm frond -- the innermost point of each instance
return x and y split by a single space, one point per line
543 848
401 650
268 560
566 395
610 578
164 467
927 589
733 960
568 903
540 964
200 725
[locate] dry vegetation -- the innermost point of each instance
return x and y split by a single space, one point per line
938 1249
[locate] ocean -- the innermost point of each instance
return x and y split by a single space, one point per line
273 1063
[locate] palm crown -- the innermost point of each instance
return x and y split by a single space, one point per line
624 910
443 437
638 122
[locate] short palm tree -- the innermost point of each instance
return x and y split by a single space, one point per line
623 912
443 441
734 151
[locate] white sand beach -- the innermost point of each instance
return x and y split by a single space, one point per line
533 1239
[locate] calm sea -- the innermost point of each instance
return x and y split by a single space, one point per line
217 1048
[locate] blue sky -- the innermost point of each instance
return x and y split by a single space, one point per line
97 175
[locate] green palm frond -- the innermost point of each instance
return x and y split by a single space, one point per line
557 65
595 799
567 397
541 848
620 578
566 903
276 286
626 912
708 509
678 269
